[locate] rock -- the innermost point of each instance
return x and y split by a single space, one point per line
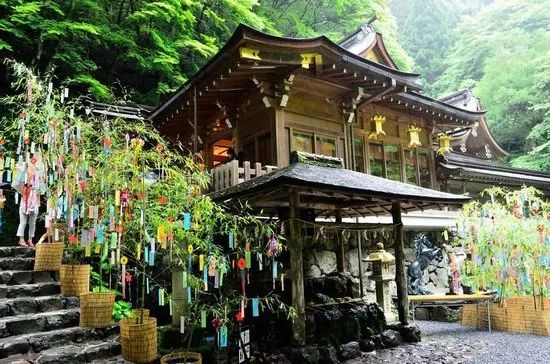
369 285
431 286
425 277
337 285
433 278
320 298
312 271
410 256
409 333
391 338
328 355
443 277
352 263
303 354
349 351
431 268
378 342
326 260
351 329
355 288
367 345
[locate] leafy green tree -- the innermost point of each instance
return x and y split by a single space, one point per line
150 48
506 56
335 19
427 32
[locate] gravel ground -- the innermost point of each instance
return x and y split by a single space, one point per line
447 343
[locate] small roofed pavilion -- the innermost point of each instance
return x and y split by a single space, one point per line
333 193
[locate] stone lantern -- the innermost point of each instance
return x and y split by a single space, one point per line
381 262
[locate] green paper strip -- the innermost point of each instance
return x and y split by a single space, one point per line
203 319
113 240
184 279
248 259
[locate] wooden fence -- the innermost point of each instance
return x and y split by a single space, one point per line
230 174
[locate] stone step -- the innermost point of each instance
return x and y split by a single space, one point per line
43 321
30 305
17 263
13 277
30 290
16 252
40 341
85 352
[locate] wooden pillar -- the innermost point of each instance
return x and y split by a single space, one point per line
340 252
400 275
360 259
279 140
297 273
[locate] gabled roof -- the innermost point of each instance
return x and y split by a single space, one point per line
467 167
366 42
479 142
358 194
251 57
287 53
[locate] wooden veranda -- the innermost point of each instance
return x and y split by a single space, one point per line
333 193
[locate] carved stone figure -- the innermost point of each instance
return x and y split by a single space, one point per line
425 252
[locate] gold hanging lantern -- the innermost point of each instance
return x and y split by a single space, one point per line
444 144
414 137
378 126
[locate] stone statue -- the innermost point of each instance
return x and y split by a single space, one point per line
425 252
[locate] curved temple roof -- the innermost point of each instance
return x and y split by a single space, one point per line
279 51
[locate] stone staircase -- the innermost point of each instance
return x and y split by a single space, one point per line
39 325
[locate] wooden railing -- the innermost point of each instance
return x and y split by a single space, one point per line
230 174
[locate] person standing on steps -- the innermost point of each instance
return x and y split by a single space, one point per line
28 180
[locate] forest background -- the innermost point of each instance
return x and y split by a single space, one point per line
143 50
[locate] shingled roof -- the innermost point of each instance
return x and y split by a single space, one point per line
361 193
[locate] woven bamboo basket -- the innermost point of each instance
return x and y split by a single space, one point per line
139 341
48 256
96 309
137 312
188 357
75 279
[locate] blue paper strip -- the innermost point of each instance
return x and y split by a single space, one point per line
231 240
223 336
151 258
187 221
255 307
189 295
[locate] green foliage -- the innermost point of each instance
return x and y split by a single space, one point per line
150 47
427 32
122 309
335 19
509 239
503 50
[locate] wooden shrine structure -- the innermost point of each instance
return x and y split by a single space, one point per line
262 98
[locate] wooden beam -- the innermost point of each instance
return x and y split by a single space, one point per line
400 275
340 252
297 272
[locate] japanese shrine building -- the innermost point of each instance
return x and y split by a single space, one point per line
262 97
